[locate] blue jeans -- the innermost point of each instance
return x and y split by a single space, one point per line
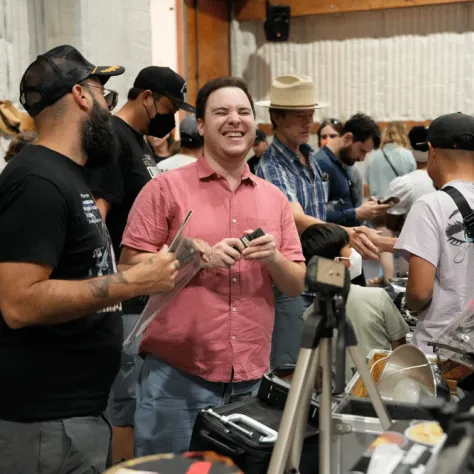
168 403
286 337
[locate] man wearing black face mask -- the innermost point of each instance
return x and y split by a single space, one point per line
60 292
156 95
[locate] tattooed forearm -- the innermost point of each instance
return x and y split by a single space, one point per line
100 286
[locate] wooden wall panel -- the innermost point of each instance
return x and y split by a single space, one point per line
190 48
255 9
207 42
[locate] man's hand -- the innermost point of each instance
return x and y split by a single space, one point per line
156 274
370 210
262 249
365 241
222 255
204 249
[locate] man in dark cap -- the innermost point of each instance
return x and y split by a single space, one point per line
191 146
435 238
60 292
259 146
409 187
157 94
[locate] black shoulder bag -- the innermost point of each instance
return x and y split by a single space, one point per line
464 208
397 174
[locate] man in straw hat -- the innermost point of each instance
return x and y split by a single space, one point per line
290 164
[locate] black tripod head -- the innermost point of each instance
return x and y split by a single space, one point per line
328 278
331 281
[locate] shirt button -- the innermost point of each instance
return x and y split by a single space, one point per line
234 309
234 221
234 338
234 280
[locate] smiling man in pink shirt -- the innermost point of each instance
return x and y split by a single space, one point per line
211 344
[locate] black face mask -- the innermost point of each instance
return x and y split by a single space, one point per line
98 138
161 124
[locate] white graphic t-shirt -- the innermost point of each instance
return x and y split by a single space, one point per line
434 231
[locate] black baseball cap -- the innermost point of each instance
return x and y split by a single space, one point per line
53 74
418 136
189 134
452 132
164 81
260 136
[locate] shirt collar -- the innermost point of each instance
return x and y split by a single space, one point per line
306 149
205 171
330 154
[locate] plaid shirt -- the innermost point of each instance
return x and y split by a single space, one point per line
304 184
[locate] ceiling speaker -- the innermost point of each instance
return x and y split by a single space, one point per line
277 23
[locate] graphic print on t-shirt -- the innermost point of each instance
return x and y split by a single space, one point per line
457 236
90 209
150 165
103 256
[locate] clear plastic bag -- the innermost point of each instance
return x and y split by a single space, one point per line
190 263
456 340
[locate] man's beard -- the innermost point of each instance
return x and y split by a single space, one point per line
345 156
98 138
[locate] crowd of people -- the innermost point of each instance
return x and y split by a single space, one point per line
90 203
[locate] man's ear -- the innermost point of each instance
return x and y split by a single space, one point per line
431 153
82 98
147 98
200 126
348 139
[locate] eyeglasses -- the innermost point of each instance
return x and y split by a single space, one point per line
110 96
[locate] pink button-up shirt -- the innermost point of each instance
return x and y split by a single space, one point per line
223 319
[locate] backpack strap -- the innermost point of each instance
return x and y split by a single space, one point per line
464 208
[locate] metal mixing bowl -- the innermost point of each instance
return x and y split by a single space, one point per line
412 384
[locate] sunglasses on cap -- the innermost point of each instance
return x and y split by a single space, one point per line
110 96
325 122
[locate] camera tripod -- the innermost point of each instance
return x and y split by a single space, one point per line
328 314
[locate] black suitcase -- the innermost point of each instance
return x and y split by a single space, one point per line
246 449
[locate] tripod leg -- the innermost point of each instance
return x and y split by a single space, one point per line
301 419
369 383
293 405
325 408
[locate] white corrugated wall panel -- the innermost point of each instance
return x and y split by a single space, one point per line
20 22
403 64
109 31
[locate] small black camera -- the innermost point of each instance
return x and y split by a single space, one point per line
247 238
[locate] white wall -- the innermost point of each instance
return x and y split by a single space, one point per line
410 63
105 31
164 33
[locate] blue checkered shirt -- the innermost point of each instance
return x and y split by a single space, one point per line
283 168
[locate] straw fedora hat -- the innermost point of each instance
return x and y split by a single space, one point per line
293 92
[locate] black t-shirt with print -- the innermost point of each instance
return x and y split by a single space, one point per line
48 216
120 184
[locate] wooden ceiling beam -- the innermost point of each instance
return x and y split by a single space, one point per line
246 10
